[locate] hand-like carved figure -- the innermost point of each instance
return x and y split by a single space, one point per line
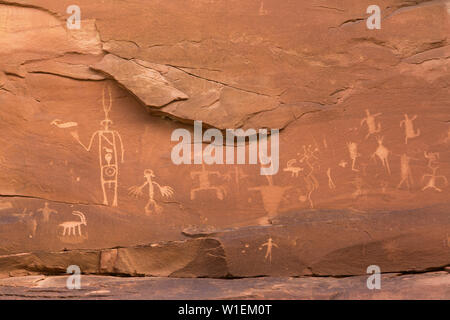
383 154
151 205
371 125
409 128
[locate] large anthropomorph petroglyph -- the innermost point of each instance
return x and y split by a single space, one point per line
108 141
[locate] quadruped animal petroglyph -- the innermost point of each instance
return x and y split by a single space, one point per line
73 228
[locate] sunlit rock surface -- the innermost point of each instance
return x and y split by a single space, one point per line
86 119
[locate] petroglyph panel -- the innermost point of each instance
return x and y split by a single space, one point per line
87 116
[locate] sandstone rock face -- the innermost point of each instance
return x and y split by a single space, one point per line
88 115
428 286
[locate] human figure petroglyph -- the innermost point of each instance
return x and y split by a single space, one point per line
309 158
371 125
269 244
151 206
405 171
354 155
73 228
46 212
29 219
383 154
107 150
433 179
331 184
409 128
205 184
432 157
292 169
31 224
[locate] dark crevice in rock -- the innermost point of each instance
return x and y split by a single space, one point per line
51 200
64 76
31 6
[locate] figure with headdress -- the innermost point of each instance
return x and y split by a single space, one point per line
108 142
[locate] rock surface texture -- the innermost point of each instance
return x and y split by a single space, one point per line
87 118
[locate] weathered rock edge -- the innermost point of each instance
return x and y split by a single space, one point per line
327 243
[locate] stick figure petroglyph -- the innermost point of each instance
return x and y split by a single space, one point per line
432 157
29 220
405 171
409 128
354 154
331 184
371 125
433 178
204 183
151 205
293 170
73 228
383 154
269 244
46 212
312 184
107 150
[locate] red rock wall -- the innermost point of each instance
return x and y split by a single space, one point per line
363 119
